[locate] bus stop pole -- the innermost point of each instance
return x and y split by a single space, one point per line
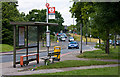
14 53
47 26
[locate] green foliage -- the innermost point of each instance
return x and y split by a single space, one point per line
100 54
102 46
104 18
87 72
40 16
74 63
5 48
9 14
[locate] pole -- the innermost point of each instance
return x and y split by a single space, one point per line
27 46
81 38
86 33
14 53
90 28
73 24
38 44
47 26
48 50
47 16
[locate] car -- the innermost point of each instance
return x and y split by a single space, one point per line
117 42
110 41
62 38
64 35
73 44
71 39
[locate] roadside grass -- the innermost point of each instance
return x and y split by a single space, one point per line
100 54
94 71
77 38
74 63
5 48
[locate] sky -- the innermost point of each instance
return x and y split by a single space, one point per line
62 6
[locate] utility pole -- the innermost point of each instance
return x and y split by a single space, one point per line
81 34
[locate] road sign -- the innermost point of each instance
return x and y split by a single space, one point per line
51 12
47 5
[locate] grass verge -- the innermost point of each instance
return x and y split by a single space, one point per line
100 54
74 63
94 71
77 38
5 48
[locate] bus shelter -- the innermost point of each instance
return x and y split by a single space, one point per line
23 31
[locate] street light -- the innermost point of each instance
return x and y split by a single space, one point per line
86 29
90 29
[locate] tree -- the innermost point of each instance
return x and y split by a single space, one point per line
105 18
9 13
40 16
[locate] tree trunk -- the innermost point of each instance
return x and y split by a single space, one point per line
115 41
107 44
99 42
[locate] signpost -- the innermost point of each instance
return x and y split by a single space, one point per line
51 12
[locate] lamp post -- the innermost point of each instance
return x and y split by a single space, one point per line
86 29
90 29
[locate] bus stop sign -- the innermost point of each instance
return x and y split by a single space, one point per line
47 5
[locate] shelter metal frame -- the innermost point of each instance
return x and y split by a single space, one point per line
26 47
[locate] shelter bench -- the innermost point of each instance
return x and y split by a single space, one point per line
27 62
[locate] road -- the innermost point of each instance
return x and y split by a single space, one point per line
9 58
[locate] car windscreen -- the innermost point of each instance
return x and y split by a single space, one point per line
71 37
73 42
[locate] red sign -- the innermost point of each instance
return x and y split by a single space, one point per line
47 5
51 10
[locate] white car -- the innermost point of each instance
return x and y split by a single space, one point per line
71 39
62 38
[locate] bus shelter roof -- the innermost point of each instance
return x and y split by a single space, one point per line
34 23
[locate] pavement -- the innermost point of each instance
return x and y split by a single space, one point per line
7 68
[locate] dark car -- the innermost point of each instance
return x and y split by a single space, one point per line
73 44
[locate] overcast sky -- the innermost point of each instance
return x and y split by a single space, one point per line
61 6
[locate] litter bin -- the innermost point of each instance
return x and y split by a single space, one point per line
57 50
